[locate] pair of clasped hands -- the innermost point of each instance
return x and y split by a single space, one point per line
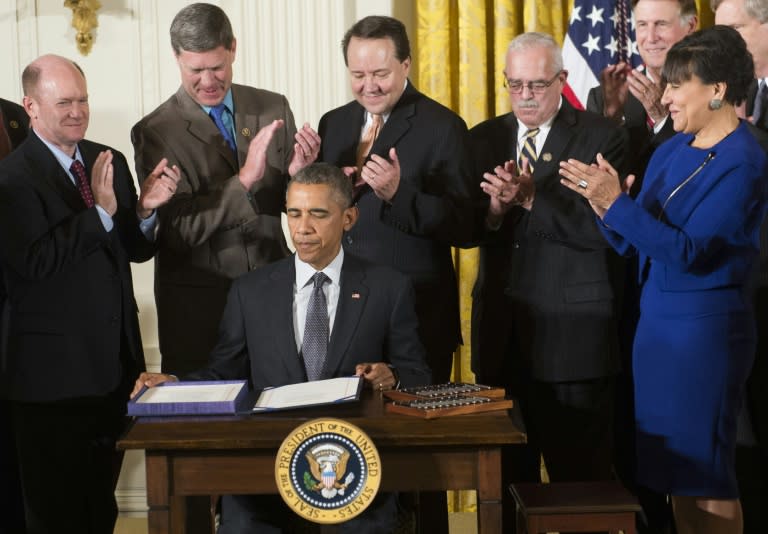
377 376
156 190
381 174
510 185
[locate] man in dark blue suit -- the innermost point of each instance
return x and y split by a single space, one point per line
70 223
371 319
412 175
13 130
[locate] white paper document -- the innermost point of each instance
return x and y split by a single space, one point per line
310 393
191 393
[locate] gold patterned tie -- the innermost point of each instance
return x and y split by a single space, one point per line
528 150
370 135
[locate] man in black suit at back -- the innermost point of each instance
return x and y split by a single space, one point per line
412 177
632 97
408 156
544 314
13 130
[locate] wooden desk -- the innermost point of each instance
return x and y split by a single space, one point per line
236 455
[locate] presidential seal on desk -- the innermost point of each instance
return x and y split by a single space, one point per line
328 470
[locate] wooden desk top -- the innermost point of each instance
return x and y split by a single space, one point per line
267 431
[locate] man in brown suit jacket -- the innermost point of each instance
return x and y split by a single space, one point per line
234 146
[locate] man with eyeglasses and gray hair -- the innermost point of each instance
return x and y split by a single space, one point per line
544 319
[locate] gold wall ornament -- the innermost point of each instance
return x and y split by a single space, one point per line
84 21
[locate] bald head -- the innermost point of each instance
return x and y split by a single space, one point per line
56 99
30 78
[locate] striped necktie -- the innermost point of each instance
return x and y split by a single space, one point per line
528 150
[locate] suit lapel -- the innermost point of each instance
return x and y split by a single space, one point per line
506 138
558 140
52 172
246 123
398 123
281 324
202 127
348 137
352 300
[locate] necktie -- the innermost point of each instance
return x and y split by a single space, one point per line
216 113
5 141
528 149
370 135
760 110
83 186
314 348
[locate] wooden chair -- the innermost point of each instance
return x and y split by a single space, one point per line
574 507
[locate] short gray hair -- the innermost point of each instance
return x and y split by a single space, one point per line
755 9
200 28
528 40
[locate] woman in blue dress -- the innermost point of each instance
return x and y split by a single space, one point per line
694 227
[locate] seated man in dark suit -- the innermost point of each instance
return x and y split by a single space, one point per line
368 311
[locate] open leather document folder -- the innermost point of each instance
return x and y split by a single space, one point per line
232 396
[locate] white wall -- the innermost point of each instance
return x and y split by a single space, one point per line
288 46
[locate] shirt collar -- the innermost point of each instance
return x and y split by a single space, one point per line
546 125
228 103
305 272
385 116
64 159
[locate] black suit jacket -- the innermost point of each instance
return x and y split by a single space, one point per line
375 321
16 124
561 278
69 281
642 139
15 120
431 210
757 384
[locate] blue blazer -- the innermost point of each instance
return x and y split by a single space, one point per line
375 321
698 216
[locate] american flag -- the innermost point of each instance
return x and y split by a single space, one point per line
600 33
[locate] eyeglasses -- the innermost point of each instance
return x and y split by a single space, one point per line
536 87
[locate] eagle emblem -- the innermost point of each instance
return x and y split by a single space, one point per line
328 465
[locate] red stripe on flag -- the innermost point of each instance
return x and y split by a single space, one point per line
571 97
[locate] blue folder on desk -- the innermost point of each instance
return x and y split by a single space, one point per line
191 398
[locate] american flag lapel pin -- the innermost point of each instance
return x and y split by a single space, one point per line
355 294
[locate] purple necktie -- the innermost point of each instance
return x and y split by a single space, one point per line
83 186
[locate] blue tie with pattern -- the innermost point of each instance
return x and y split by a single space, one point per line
314 348
216 113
